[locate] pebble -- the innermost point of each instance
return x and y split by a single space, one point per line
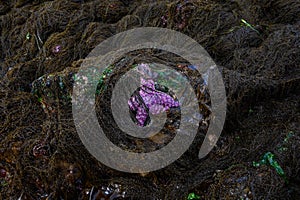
3 173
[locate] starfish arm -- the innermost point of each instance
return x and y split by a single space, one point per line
141 116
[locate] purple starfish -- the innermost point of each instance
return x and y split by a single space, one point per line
153 100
